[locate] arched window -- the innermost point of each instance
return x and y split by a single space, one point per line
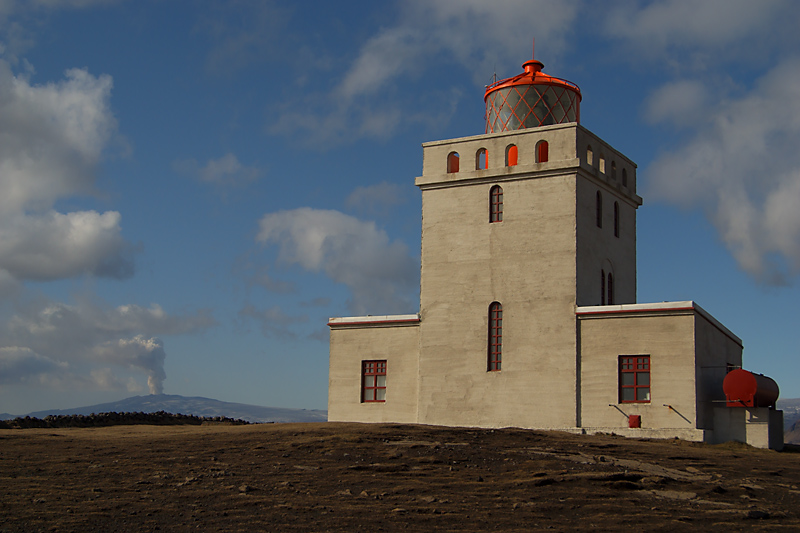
599 209
610 288
496 204
601 163
616 219
542 152
511 155
613 170
602 287
452 162
624 177
495 347
589 156
482 159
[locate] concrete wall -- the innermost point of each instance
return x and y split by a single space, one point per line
598 248
757 426
526 262
350 344
717 350
667 337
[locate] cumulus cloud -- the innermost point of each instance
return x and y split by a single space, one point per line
52 342
382 275
55 246
743 167
52 137
225 171
474 34
680 102
20 364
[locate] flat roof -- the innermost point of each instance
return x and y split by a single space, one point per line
376 320
601 311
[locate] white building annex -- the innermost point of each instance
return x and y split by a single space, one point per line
528 315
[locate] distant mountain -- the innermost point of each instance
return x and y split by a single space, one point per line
791 412
195 405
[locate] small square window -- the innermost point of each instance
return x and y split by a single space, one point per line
373 381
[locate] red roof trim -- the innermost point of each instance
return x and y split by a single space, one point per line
620 311
374 322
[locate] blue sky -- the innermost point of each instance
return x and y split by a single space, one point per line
191 189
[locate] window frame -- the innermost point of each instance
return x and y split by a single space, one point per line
494 358
638 366
374 393
495 204
482 165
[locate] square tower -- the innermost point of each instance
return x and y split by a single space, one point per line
518 229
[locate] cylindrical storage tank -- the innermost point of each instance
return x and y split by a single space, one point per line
531 99
746 389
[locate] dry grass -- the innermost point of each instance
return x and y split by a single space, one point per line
356 477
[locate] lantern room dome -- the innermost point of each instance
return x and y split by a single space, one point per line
531 99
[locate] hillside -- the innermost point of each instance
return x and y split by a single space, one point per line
351 477
192 405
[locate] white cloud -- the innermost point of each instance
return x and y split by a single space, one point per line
138 353
225 171
58 343
381 275
54 246
477 35
52 138
743 167
20 364
725 27
682 102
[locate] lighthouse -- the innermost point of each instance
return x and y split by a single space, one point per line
528 314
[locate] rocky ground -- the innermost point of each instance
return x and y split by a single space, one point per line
356 477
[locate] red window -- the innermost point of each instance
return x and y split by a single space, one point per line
495 336
452 162
511 155
542 152
634 378
373 379
496 204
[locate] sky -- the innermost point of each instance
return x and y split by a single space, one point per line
190 189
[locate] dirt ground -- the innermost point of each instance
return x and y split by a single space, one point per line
359 477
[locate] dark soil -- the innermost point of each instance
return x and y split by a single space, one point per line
363 477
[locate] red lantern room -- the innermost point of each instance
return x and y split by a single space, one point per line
531 99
